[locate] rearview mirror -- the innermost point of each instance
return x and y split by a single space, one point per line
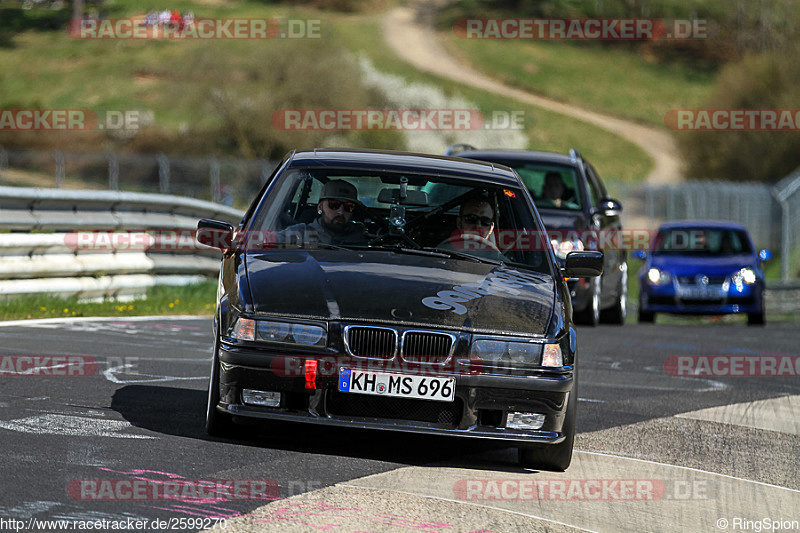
392 196
215 234
586 264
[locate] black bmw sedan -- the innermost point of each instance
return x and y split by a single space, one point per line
394 291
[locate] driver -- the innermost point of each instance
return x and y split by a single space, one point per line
334 223
474 230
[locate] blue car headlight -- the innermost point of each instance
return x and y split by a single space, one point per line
658 277
746 276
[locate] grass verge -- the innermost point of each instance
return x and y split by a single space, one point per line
197 299
614 157
606 79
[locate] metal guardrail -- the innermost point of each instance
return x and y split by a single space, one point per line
40 253
783 297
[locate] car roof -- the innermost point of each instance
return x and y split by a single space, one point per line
435 165
519 155
697 224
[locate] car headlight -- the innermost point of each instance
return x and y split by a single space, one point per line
745 275
658 277
247 329
502 351
562 248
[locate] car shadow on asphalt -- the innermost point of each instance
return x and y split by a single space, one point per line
181 412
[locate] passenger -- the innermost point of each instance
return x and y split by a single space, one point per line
334 223
552 191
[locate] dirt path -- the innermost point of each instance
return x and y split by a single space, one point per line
417 43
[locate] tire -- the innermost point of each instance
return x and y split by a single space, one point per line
591 315
755 319
217 424
554 457
616 313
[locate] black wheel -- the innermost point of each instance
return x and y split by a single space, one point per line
554 457
755 319
217 424
616 313
591 315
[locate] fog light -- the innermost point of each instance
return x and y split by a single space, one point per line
262 398
524 420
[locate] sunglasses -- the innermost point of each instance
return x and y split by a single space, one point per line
334 205
475 220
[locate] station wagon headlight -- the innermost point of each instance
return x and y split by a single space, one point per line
658 277
745 275
247 329
507 351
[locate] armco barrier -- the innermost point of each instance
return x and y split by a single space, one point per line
37 255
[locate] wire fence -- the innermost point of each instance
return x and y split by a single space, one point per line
229 181
770 213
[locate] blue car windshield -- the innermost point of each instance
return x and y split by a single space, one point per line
702 241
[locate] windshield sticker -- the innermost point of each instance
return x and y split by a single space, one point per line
509 281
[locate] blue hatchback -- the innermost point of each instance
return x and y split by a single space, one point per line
702 268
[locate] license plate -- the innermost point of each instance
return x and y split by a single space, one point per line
397 385
702 293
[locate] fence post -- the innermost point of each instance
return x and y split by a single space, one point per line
61 167
3 164
213 179
163 173
113 171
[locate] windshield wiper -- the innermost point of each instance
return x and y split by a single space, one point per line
461 255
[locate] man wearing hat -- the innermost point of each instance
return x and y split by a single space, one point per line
335 224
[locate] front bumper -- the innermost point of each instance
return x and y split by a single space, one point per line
482 400
676 299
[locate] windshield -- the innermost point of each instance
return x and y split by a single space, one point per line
702 241
405 213
551 186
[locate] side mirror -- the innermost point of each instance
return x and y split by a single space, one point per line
215 234
639 254
586 264
765 255
610 207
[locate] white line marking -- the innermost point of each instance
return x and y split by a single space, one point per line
591 400
74 426
110 376
461 502
611 454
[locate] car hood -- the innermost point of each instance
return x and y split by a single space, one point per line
378 286
688 265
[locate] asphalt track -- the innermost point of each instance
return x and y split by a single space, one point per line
700 453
